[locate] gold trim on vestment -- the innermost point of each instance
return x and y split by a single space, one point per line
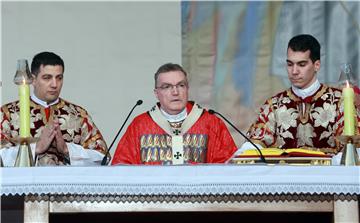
177 140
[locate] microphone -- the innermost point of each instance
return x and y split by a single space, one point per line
103 162
262 158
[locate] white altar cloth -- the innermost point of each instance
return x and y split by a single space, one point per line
181 180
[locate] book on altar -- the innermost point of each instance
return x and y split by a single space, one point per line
296 156
276 152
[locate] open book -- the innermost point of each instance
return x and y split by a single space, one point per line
276 152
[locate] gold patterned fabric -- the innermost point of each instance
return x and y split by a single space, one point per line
288 121
75 124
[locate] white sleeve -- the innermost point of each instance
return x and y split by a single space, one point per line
336 159
78 155
83 157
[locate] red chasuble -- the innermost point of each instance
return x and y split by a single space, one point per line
288 121
145 142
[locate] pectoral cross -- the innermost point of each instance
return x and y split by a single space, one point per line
177 155
176 131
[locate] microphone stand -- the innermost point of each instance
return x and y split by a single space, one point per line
104 160
262 158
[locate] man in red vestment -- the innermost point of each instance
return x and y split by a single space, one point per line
309 114
66 133
175 131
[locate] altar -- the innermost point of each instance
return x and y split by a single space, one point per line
198 188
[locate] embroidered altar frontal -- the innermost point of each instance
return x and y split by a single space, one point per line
158 148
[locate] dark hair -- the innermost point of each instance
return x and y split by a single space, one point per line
45 58
167 68
306 42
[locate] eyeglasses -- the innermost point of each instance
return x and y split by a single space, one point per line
167 87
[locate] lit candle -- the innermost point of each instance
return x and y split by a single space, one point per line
349 110
24 98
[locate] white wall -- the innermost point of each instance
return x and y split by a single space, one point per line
111 51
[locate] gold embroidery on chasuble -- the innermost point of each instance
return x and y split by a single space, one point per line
76 127
158 148
304 106
287 121
176 148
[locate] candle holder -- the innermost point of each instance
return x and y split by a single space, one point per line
346 75
23 78
24 157
349 139
22 75
350 156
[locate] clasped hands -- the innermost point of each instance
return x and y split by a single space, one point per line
51 139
